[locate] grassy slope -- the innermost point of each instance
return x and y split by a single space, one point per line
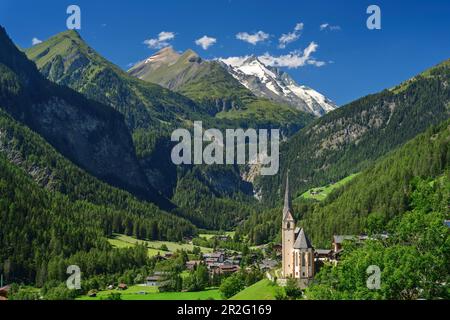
323 192
429 73
123 241
68 60
208 236
262 290
152 294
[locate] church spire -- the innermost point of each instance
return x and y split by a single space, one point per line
287 210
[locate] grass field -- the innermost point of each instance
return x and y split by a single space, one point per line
262 290
151 293
321 193
208 236
123 241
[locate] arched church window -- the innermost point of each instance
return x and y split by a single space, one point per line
288 225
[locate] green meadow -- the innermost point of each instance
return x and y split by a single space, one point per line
322 193
262 290
152 293
123 241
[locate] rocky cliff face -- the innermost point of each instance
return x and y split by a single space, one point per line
91 135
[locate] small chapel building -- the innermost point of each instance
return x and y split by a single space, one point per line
298 259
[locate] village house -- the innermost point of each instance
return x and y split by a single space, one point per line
338 241
153 281
268 264
191 265
324 255
156 279
227 269
223 238
4 292
214 257
122 286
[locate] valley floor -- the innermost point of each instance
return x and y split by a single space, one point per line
262 290
154 247
152 293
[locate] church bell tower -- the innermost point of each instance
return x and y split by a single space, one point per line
287 235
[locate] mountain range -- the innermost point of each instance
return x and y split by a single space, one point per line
152 112
350 139
274 84
171 89
192 76
83 135
90 134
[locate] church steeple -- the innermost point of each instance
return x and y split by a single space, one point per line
287 209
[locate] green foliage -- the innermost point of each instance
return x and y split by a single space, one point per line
292 290
23 293
123 212
114 296
163 248
214 197
237 282
231 286
413 261
198 279
61 292
261 290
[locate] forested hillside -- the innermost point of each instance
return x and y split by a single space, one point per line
413 261
376 196
91 135
42 232
27 150
151 113
351 138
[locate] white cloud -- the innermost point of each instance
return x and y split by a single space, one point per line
253 38
162 41
205 42
234 61
290 37
292 60
35 41
327 26
299 26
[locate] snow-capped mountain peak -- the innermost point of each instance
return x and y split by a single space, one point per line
272 83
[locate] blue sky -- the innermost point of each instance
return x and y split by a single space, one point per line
357 61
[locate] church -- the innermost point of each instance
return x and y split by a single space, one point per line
297 251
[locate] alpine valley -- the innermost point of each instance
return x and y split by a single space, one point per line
86 178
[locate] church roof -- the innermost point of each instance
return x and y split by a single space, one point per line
287 209
302 241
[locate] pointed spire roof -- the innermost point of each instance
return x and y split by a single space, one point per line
302 241
287 209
